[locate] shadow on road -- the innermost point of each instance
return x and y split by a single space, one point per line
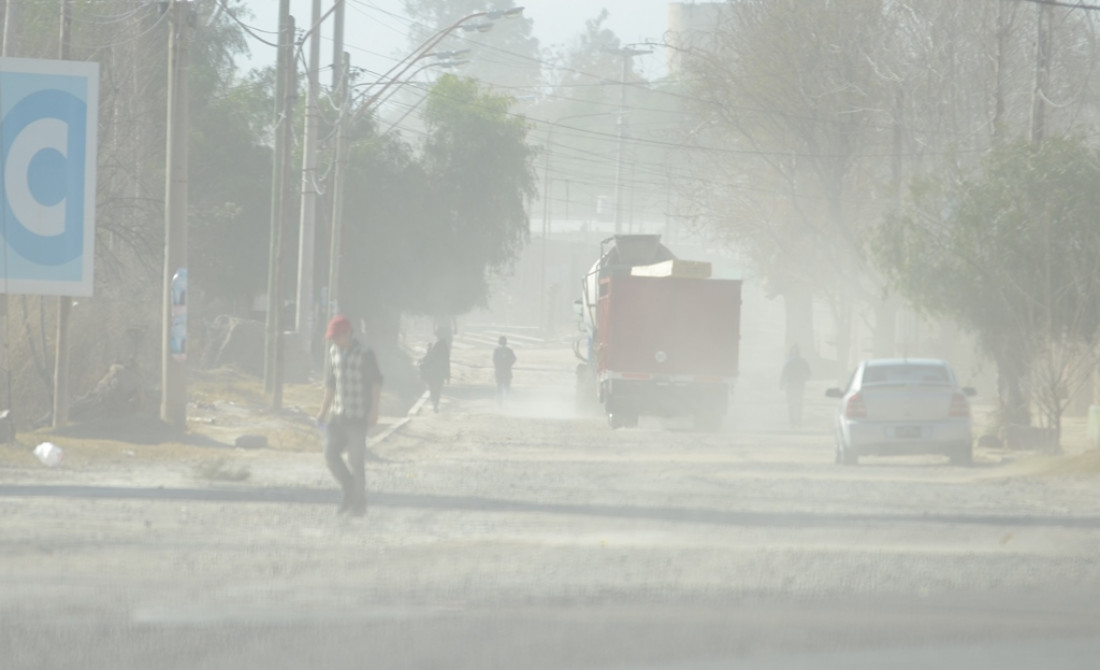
490 505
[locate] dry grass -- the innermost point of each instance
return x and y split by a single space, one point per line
224 404
220 470
1085 465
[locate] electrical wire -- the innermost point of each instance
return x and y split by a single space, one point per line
96 49
91 18
251 30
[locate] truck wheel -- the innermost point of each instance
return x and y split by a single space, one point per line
622 419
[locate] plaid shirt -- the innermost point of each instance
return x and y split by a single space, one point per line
353 373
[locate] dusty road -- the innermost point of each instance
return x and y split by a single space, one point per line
531 538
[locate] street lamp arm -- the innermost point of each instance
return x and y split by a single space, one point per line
393 75
444 64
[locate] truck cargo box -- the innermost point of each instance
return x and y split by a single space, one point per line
674 268
669 327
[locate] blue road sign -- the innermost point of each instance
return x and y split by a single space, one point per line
48 119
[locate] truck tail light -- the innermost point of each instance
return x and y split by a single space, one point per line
855 408
960 406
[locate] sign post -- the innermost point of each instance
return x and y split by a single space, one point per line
48 121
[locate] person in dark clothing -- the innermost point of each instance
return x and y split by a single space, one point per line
796 372
353 389
435 369
503 360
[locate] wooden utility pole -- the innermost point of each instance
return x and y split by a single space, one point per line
303 321
173 408
5 359
64 303
338 176
341 69
282 120
339 58
286 188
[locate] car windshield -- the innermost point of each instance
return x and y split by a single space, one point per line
906 373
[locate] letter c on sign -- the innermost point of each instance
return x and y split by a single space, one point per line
42 157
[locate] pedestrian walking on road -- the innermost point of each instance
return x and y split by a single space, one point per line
353 390
503 360
796 372
435 369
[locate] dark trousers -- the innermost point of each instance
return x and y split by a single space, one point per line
435 390
344 436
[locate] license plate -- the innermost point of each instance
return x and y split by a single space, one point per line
907 432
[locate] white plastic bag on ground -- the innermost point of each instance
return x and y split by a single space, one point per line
49 453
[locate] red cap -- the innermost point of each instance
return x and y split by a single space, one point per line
338 326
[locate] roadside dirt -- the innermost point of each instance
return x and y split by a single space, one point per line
226 404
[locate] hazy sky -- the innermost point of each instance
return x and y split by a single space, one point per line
376 29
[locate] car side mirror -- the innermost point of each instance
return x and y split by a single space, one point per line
969 391
834 393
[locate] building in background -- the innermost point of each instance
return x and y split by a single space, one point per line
690 25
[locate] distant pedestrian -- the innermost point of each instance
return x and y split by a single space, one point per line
353 389
796 372
435 369
503 360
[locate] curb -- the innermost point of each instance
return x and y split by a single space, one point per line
413 411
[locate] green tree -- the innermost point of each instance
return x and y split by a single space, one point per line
429 226
479 172
387 221
230 194
1010 254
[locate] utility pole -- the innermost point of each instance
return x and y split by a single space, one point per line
303 320
282 120
64 303
286 187
627 54
545 226
5 51
341 91
339 58
338 176
173 407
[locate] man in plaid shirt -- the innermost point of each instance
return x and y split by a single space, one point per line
353 387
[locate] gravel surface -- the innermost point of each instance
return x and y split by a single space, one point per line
494 532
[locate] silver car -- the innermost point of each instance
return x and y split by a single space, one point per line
895 406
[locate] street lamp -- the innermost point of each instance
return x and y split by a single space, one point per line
394 75
424 50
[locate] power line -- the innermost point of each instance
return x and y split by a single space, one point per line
1067 5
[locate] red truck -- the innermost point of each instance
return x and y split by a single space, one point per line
661 335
